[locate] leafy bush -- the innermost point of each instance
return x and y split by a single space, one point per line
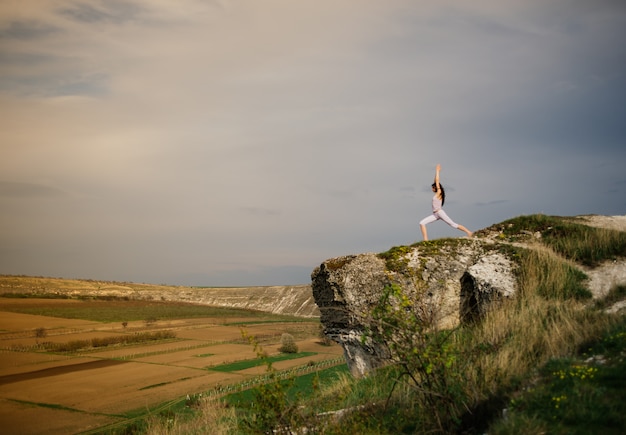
407 327
40 333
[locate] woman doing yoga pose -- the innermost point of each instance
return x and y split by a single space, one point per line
438 200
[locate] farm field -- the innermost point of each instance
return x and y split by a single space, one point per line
43 390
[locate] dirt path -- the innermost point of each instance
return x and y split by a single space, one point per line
610 222
606 276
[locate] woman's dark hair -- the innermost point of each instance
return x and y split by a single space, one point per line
443 192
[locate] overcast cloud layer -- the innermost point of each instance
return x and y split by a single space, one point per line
243 142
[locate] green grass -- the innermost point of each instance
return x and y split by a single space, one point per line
34 295
301 387
396 260
249 363
581 243
550 276
587 245
186 408
579 395
517 226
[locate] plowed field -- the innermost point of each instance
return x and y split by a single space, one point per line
66 393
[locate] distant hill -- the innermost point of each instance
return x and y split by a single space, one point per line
289 300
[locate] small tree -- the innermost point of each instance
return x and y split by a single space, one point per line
405 323
288 344
40 333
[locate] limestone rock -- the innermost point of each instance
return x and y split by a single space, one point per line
488 280
457 278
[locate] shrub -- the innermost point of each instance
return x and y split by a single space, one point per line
212 417
407 327
324 340
40 333
76 345
288 344
274 412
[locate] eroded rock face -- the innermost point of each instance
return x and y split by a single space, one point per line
345 289
489 280
459 278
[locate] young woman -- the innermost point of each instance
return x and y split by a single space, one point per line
438 200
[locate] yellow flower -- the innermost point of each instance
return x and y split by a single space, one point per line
557 400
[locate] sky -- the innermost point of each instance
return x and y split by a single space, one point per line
244 142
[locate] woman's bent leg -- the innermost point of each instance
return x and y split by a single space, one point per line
444 217
424 222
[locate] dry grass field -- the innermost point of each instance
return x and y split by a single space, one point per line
43 391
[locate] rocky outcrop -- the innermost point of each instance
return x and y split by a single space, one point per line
457 279
488 280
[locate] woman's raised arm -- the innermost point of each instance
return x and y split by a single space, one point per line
437 169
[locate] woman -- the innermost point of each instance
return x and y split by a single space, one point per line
438 200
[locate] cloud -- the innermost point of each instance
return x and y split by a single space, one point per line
259 211
491 203
28 190
112 11
234 139
26 30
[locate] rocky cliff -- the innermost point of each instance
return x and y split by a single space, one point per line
456 278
